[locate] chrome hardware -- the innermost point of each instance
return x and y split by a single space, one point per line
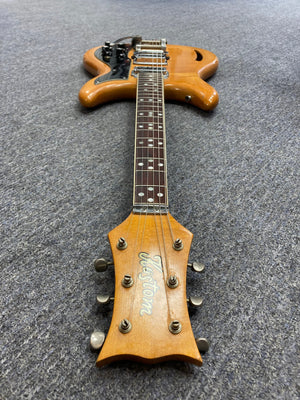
155 64
104 299
101 264
163 71
122 244
150 57
172 282
197 267
178 245
149 53
125 326
188 98
127 281
175 327
195 301
151 44
97 340
202 344
163 43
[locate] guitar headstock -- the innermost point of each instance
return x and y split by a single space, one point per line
150 321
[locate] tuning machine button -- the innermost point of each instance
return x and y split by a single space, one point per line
104 299
202 344
197 267
97 340
101 264
195 301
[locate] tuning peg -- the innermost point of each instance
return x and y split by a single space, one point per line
197 267
101 264
202 344
195 301
97 340
104 299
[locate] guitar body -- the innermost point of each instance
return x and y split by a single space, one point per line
150 321
187 68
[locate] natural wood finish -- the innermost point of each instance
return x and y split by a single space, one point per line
186 78
150 258
150 340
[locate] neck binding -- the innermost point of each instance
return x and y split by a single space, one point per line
150 162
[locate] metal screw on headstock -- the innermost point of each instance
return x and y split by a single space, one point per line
172 282
178 245
122 244
175 327
125 326
127 281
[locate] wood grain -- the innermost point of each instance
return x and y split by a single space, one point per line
150 339
186 78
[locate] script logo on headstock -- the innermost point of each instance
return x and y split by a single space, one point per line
150 286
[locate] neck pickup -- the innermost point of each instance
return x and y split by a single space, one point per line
150 57
155 69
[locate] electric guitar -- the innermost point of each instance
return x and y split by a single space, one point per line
150 249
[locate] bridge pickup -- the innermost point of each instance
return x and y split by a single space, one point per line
154 69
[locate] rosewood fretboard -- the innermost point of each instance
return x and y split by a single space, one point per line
150 163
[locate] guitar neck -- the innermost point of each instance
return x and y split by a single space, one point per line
150 321
150 193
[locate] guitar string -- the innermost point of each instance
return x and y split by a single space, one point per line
141 79
161 107
154 115
138 200
166 175
150 144
160 110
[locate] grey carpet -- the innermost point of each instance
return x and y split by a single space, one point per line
233 181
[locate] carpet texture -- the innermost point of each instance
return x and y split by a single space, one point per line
66 181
